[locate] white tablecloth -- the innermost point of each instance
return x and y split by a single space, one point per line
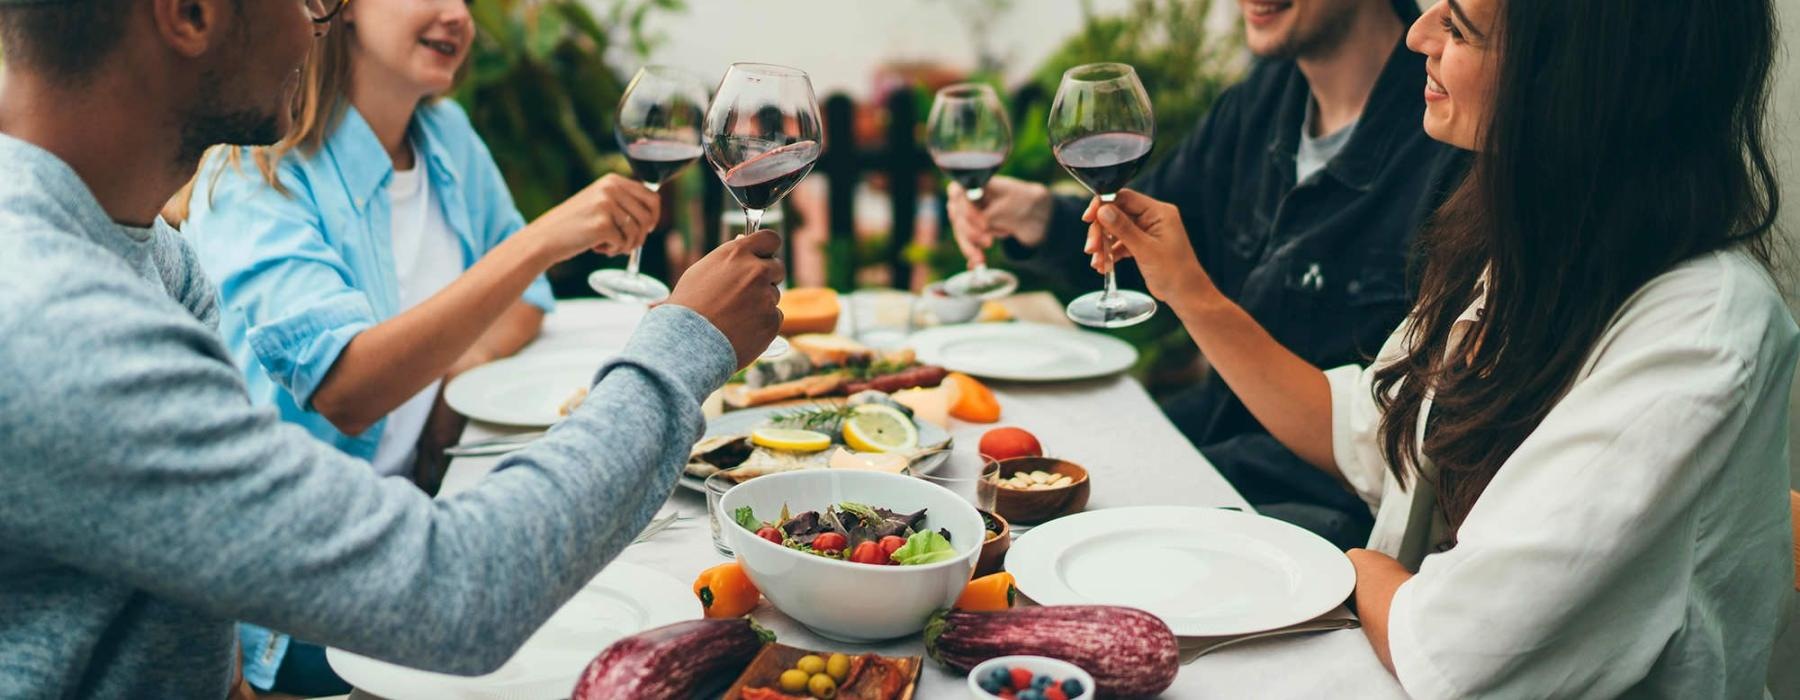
1111 426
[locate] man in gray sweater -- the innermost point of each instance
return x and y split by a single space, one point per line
127 442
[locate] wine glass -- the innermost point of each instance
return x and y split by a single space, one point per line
969 136
763 136
659 130
1101 130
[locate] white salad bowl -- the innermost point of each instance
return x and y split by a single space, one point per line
842 600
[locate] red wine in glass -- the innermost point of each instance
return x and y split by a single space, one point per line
762 137
654 161
1101 127
658 128
1105 162
969 136
761 181
971 169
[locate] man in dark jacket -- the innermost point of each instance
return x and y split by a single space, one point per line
1303 190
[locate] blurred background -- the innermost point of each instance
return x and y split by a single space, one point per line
547 75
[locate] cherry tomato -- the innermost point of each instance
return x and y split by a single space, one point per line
770 534
890 544
869 552
829 542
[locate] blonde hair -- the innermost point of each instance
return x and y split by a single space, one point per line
317 107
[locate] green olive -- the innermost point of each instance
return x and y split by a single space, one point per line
822 687
811 664
794 680
838 666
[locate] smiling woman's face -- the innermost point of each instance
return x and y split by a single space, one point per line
1462 67
417 44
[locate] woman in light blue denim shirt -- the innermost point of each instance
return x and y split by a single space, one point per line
375 253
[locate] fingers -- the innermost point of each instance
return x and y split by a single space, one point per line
1120 226
634 218
1096 241
614 234
763 244
970 251
629 188
1133 202
1092 207
774 272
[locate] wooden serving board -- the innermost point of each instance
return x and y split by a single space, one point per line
765 672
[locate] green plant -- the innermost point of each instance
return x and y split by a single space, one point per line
1183 63
541 94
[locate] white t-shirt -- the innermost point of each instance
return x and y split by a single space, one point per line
427 258
1637 543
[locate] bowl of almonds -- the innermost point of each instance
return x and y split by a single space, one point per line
1036 489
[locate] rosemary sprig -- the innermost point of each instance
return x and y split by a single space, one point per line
818 417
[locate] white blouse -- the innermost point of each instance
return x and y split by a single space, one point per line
1638 542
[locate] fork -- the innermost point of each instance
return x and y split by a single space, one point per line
657 525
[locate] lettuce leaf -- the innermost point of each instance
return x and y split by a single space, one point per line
927 547
746 518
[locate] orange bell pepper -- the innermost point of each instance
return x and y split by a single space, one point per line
726 591
988 593
974 402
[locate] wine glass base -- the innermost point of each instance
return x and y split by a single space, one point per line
1125 308
628 286
985 285
777 347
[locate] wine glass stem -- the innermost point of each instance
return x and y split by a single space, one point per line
637 254
1112 275
752 221
631 266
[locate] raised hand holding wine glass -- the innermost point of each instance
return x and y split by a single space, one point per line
658 128
1101 129
763 136
969 137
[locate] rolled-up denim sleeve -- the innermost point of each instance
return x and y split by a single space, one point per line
292 291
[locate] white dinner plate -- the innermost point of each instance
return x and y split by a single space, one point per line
1024 352
623 600
1205 571
741 422
525 390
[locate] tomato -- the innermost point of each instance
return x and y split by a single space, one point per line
770 534
1009 443
829 542
869 552
889 545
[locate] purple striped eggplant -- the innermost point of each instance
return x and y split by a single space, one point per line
673 661
1129 652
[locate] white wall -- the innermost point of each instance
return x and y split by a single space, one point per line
1787 150
839 42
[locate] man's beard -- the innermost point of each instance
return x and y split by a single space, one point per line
210 122
1321 39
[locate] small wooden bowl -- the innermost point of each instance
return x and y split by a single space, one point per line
1038 505
765 671
993 549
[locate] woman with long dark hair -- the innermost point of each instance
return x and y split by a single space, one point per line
1576 444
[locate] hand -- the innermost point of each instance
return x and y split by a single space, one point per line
612 216
734 288
1150 231
1009 208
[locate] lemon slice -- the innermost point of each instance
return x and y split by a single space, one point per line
790 440
878 428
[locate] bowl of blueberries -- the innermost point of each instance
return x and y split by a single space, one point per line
1029 678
